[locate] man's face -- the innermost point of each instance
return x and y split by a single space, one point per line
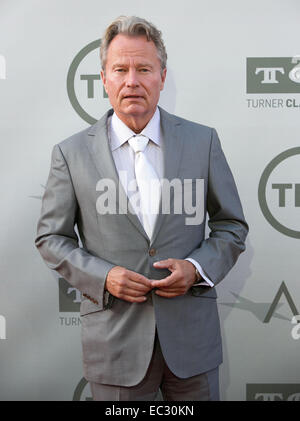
133 78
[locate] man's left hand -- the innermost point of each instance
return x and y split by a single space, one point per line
178 283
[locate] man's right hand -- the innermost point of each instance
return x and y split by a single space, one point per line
127 285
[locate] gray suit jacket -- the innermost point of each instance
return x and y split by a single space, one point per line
118 336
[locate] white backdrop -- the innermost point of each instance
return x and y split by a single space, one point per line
208 42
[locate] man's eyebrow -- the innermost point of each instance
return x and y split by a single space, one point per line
138 65
144 65
118 65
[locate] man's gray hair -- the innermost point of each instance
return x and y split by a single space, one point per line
133 26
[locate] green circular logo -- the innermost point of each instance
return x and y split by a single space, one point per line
79 391
88 79
262 193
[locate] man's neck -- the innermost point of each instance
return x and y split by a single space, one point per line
136 123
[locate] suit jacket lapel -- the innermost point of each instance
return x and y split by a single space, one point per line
173 144
99 148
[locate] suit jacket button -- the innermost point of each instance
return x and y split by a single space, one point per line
152 252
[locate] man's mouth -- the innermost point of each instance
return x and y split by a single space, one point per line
132 96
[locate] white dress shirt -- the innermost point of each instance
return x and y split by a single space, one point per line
123 155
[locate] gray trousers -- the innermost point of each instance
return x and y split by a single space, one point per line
202 387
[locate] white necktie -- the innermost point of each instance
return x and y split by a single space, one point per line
148 183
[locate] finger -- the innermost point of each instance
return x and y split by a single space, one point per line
169 280
132 299
138 278
171 290
166 294
137 286
125 290
164 264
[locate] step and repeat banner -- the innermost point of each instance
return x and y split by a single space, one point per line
231 65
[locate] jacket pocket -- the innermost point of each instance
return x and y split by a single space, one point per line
88 307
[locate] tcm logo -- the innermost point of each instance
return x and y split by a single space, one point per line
84 86
2 67
2 327
279 192
82 391
273 75
273 392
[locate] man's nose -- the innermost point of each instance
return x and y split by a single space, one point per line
132 79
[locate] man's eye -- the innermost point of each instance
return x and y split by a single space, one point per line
120 70
144 70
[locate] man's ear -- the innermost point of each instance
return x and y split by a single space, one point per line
103 78
163 78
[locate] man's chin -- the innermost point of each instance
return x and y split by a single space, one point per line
134 110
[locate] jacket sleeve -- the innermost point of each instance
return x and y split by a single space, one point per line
218 253
57 241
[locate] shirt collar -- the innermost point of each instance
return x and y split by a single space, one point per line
120 133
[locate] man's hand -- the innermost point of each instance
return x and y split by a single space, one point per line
178 283
127 285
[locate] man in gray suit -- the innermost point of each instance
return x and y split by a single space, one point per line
149 313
